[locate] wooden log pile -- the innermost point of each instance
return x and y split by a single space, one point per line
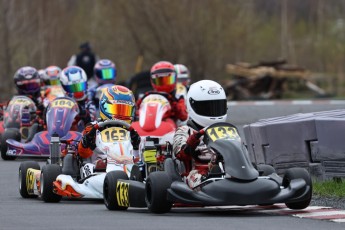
265 80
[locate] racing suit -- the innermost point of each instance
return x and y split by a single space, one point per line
196 158
178 106
87 145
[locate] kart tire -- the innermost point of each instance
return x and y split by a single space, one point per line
23 168
136 174
8 134
156 188
297 173
265 170
109 190
48 176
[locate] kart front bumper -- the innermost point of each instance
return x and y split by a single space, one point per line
234 192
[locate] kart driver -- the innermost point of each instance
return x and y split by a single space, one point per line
163 79
104 75
206 104
28 83
74 82
117 102
182 73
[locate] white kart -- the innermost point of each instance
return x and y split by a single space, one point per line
70 176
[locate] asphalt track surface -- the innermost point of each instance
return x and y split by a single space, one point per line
19 213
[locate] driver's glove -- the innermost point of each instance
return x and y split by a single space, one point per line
193 140
135 139
88 140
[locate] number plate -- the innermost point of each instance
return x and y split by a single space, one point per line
222 132
114 134
156 99
64 103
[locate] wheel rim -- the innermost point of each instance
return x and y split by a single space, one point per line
41 183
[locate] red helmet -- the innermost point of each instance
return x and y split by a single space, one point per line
163 77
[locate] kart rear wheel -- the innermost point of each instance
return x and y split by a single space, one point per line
110 193
297 173
156 188
8 134
48 176
23 168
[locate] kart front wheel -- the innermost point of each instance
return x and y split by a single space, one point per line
48 176
156 188
22 177
299 173
115 194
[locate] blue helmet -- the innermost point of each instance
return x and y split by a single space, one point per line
105 72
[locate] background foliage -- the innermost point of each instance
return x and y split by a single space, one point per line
203 34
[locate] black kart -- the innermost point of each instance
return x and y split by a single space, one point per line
236 182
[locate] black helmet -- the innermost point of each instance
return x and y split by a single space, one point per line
27 81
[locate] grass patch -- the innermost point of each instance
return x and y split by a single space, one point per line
330 188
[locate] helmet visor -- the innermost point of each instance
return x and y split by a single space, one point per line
29 85
106 74
76 87
161 79
211 108
119 110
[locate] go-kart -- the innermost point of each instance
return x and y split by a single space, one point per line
70 176
59 117
151 122
18 117
233 180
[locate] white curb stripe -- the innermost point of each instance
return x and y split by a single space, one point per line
286 102
329 213
338 220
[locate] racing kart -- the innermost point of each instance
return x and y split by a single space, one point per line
235 180
18 117
151 122
59 117
70 176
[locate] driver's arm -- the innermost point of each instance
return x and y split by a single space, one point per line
179 109
87 143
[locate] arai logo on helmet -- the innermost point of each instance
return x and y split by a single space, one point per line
213 91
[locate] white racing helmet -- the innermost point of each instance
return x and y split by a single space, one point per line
206 103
